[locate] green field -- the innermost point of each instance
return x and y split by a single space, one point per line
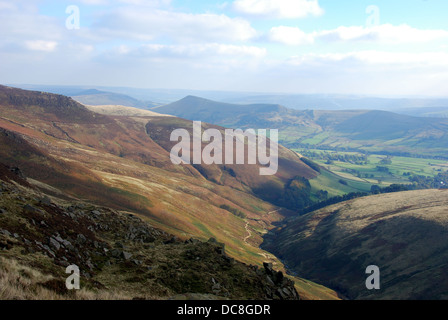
360 176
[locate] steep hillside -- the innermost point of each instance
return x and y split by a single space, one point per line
119 255
405 234
118 162
365 130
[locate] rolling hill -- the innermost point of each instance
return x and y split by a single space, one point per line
362 130
96 97
343 102
123 163
118 254
405 234
93 96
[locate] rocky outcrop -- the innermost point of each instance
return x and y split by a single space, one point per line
113 250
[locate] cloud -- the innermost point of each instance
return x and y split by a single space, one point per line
382 34
374 58
280 9
41 45
290 36
205 52
149 23
386 33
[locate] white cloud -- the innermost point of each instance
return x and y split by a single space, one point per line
290 36
147 24
386 33
41 45
382 34
209 51
398 59
289 9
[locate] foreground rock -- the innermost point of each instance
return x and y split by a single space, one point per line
121 252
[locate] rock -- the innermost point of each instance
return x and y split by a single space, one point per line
67 244
171 241
81 239
269 281
30 209
2 211
49 251
90 265
229 260
220 250
149 239
45 200
116 253
126 255
281 294
63 263
278 277
268 268
212 240
54 243
286 292
216 288
6 233
137 262
96 213
119 245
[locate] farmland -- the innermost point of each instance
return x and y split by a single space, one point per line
361 171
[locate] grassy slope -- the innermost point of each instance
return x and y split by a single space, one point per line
372 131
96 239
404 234
127 170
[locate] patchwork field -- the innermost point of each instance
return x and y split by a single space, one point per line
372 170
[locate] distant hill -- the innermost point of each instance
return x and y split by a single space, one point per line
363 130
436 112
405 234
93 96
114 110
196 108
96 98
341 102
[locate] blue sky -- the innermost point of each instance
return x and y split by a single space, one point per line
374 47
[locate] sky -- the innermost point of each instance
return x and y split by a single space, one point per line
374 47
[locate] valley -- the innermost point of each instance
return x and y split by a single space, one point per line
319 207
355 130
199 157
363 171
403 233
122 162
